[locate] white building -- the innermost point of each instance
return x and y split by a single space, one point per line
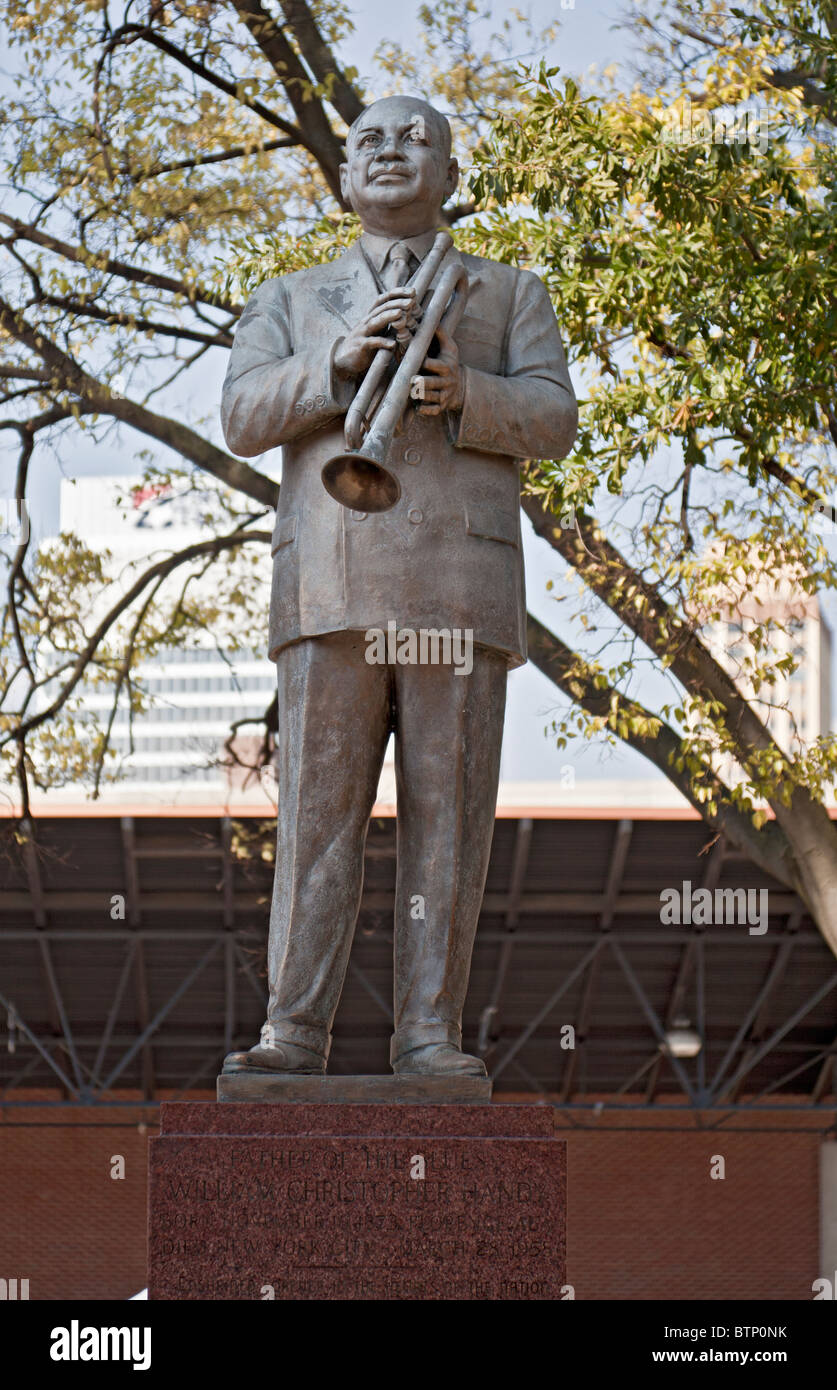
174 752
764 621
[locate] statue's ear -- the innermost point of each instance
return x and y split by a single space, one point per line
451 178
344 183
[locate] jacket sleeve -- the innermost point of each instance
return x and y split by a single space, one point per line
276 390
530 411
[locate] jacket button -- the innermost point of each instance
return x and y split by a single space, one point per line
415 515
359 516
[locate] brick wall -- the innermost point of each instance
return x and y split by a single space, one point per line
645 1218
66 1225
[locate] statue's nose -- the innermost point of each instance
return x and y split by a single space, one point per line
389 148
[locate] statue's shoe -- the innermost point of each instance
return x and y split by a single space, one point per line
283 1057
438 1059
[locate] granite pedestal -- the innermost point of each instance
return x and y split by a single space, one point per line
369 1090
356 1201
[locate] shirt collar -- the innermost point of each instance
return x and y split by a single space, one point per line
378 248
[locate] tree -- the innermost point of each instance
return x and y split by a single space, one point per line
147 146
687 233
681 270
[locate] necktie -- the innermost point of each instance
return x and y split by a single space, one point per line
396 272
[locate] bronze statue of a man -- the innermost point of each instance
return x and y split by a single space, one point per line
447 556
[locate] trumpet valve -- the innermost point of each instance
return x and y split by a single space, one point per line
405 328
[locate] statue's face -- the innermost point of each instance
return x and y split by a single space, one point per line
398 166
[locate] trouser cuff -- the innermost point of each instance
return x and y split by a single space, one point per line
281 1030
413 1035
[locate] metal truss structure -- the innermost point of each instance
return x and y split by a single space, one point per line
132 959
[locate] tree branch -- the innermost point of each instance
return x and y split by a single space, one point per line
161 569
320 59
782 79
27 444
797 79
24 373
116 318
319 137
234 152
769 465
457 211
641 608
96 260
69 376
767 847
151 36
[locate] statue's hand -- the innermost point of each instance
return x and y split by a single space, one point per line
392 309
444 388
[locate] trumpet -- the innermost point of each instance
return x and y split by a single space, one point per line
357 477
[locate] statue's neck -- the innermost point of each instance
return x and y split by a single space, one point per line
394 228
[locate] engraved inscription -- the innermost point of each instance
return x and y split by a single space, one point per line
346 1218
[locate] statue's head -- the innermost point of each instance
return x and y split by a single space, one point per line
398 169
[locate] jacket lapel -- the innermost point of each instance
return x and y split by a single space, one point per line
350 287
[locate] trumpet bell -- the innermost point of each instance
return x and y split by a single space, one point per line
360 483
357 478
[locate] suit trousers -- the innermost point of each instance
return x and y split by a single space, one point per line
336 711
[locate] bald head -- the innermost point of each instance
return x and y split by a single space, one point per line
418 107
398 169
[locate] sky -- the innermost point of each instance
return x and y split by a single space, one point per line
587 35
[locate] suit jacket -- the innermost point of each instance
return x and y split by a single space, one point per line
448 555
